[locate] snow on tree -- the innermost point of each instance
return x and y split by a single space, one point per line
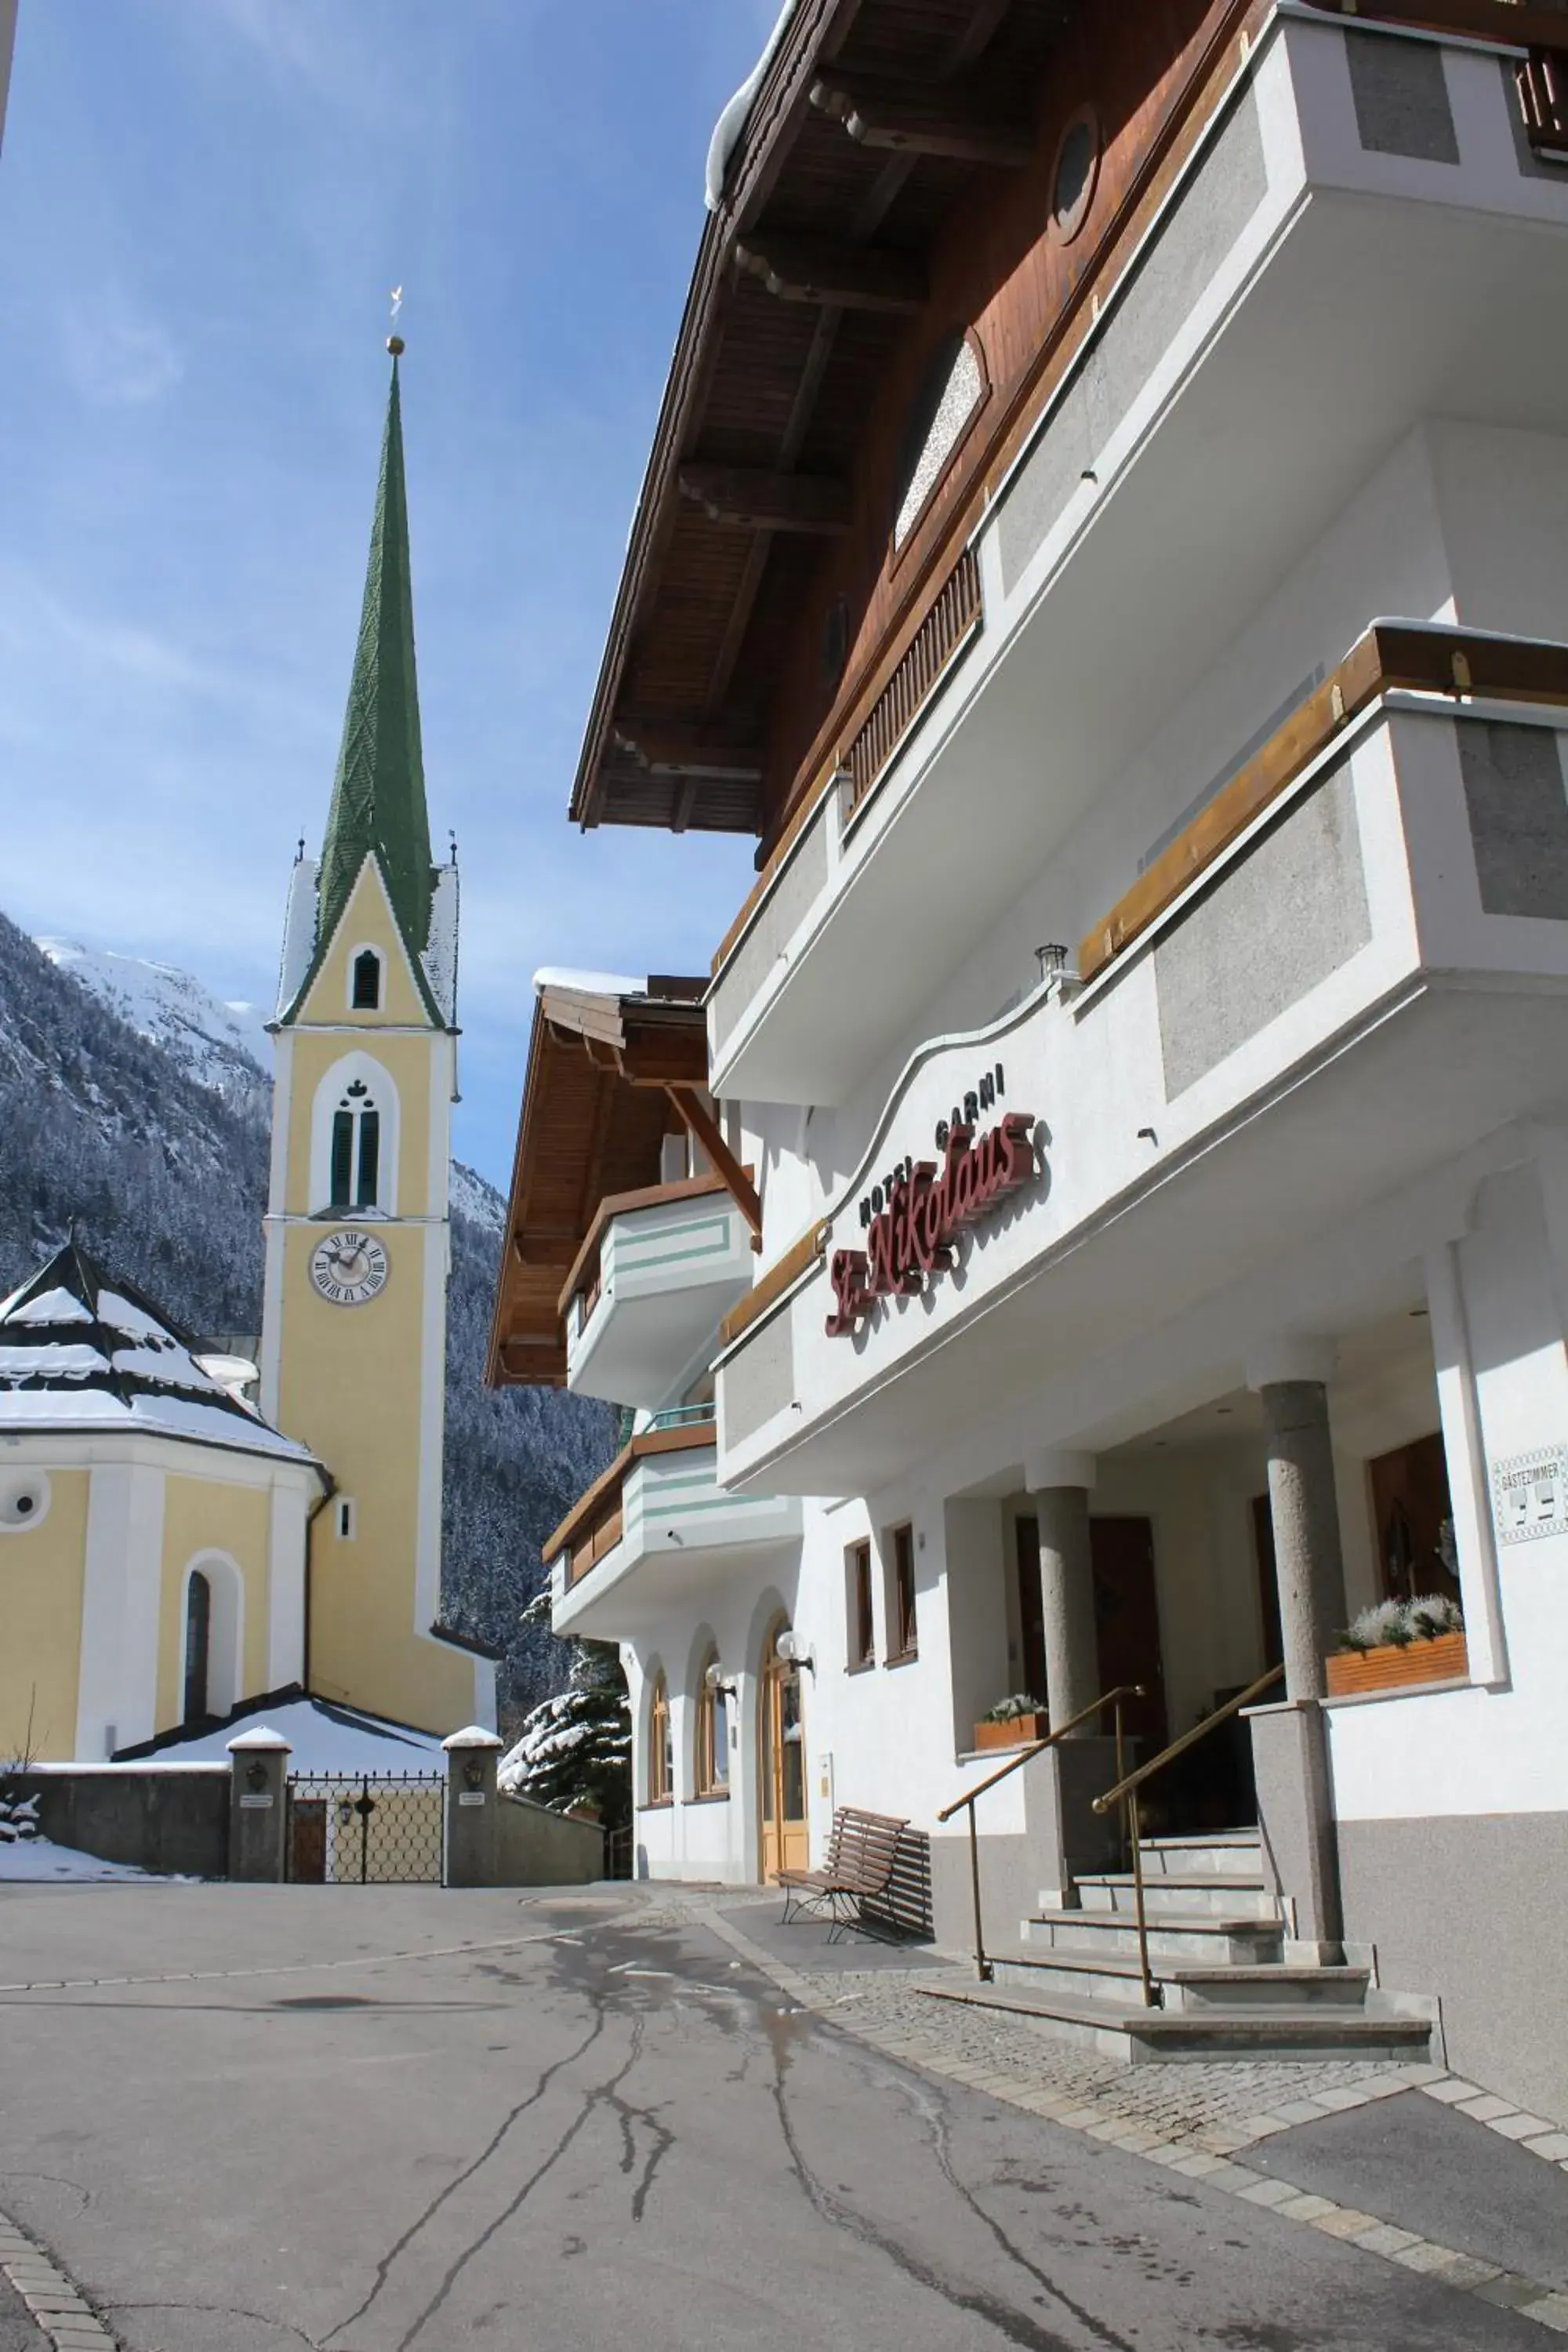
19 1819
576 1748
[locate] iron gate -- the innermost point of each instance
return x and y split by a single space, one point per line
365 1828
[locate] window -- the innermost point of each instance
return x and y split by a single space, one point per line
198 1635
713 1774
365 993
660 1745
862 1642
356 1149
903 1639
951 389
1076 170
348 1518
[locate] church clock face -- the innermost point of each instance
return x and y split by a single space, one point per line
349 1267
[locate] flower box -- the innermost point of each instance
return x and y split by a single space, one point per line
1016 1731
1393 1666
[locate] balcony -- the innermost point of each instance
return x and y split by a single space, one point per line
656 1272
1349 977
1371 234
656 1530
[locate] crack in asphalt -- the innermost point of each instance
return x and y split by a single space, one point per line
384 2266
601 2094
1015 2326
219 2310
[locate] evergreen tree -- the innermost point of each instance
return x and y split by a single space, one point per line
576 1748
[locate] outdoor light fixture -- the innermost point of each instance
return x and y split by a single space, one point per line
789 1649
256 1774
1052 959
473 1773
715 1680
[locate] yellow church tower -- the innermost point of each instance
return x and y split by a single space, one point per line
354 1323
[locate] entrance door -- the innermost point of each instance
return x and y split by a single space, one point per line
1127 1623
780 1749
1031 1609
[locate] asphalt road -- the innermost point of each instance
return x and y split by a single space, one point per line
611 2135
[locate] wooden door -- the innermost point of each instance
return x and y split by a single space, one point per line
1127 1623
1031 1610
780 1749
1411 1509
308 1840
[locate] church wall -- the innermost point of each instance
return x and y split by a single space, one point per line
40 1623
209 1516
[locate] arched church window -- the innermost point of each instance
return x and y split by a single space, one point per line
356 1149
366 993
198 1638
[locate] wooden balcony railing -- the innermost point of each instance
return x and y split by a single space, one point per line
953 620
580 1291
595 1523
1543 80
1413 656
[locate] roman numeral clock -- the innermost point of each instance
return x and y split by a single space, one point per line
348 1267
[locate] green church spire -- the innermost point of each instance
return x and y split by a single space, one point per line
378 795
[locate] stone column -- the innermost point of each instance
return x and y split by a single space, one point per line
1060 1486
1066 1835
1289 1743
258 1806
471 1827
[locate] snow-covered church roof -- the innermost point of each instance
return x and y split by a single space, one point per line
80 1352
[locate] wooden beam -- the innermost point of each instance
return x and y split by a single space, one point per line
701 1122
691 746
750 498
913 120
811 269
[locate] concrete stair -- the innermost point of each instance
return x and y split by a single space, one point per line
1221 1981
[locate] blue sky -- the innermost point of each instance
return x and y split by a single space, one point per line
203 203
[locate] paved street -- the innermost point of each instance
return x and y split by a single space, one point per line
332 2125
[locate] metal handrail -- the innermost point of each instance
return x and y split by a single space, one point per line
1188 1740
1015 1763
1125 1794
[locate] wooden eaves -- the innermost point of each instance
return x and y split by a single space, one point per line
609 1076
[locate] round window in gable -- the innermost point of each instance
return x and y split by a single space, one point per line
23 1501
951 389
1075 173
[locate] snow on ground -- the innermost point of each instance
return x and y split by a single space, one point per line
33 1861
325 1739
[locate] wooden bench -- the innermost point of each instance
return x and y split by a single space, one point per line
861 1855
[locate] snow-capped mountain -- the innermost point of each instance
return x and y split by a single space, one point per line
221 1046
218 1045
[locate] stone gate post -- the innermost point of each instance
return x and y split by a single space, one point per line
258 1805
472 1826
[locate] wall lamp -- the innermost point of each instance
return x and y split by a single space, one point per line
717 1680
789 1649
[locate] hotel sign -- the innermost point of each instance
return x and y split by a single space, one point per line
914 1217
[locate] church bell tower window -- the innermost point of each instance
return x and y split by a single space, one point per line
356 1149
365 996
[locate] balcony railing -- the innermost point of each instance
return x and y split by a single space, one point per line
595 1524
1542 81
953 620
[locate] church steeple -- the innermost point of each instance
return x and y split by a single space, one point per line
378 793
